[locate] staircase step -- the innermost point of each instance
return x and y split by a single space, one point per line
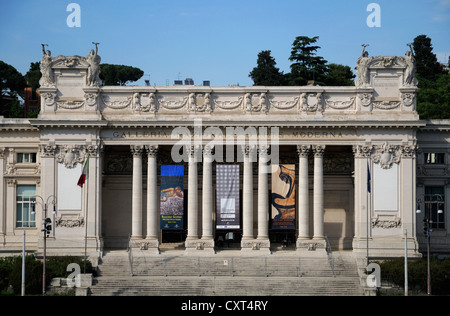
179 275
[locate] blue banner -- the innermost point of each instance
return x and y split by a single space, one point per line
172 197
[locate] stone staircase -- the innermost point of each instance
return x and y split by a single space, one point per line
226 274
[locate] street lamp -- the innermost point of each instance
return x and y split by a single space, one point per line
427 230
47 223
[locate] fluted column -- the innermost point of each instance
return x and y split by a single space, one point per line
247 195
136 229
207 197
303 194
152 196
192 195
263 194
318 192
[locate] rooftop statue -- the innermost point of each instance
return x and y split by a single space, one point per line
91 62
48 78
410 79
363 68
93 59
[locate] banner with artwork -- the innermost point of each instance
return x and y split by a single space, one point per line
283 197
227 203
172 197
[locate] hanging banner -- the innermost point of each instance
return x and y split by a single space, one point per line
283 197
172 197
227 202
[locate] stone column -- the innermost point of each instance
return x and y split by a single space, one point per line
207 240
192 237
93 216
2 196
408 194
152 198
136 232
263 199
303 196
318 192
247 198
362 155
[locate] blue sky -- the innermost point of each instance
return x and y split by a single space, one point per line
215 40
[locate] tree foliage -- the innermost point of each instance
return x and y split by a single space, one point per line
306 64
266 73
119 75
339 75
433 98
428 66
12 85
34 75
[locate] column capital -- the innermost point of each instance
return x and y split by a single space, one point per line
263 150
137 150
303 150
46 151
193 150
362 151
248 150
208 150
318 150
152 150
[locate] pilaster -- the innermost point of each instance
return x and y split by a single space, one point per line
136 232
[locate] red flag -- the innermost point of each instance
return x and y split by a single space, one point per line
84 174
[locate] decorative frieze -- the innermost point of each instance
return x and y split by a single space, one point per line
71 155
386 155
386 222
70 222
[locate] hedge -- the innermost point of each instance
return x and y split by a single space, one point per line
11 272
394 271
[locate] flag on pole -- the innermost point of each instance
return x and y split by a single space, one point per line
84 174
369 178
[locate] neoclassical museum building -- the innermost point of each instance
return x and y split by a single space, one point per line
203 169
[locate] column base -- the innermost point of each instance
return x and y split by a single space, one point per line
318 244
148 245
256 246
199 246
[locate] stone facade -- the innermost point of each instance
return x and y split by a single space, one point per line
338 138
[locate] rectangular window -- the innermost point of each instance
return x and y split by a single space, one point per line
26 158
25 205
33 95
435 206
434 158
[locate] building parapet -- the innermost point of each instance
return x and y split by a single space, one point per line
71 90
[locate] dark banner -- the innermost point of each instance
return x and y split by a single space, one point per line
172 197
227 203
283 197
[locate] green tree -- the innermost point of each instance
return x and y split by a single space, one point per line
12 85
433 98
306 64
266 73
428 66
339 75
34 75
119 75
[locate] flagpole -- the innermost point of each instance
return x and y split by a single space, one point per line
86 214
368 201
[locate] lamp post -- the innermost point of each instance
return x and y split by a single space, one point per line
47 229
427 230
